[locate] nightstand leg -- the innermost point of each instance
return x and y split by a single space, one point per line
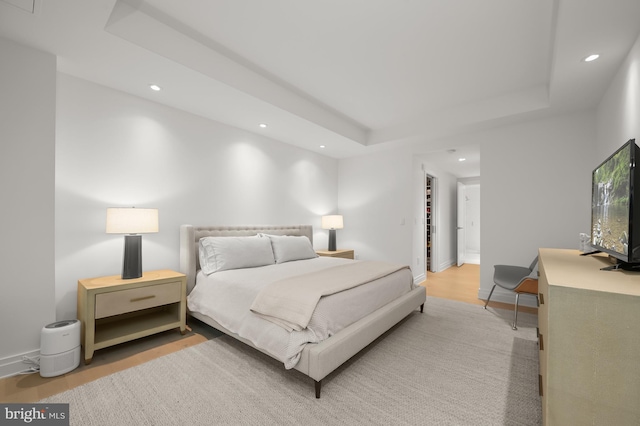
88 355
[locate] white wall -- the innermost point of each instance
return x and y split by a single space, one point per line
619 111
27 129
376 200
113 149
381 198
536 190
418 220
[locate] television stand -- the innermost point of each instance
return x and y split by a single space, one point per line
631 267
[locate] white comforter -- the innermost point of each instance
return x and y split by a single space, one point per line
291 302
227 297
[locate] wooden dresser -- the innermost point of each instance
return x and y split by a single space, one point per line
589 324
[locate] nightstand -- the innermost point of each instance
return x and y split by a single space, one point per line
112 310
343 253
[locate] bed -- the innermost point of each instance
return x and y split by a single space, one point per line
316 359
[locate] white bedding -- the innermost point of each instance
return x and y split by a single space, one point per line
227 296
290 302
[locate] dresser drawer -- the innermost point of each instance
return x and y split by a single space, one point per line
135 299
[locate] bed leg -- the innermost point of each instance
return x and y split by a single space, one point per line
318 388
422 308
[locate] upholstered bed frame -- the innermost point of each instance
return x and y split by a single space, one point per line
317 360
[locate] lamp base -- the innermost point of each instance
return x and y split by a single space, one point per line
332 240
132 264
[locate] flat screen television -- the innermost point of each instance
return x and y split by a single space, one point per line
615 207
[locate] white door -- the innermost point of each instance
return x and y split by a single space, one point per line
461 220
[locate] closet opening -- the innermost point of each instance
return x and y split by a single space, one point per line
430 224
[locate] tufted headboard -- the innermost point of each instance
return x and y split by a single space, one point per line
190 236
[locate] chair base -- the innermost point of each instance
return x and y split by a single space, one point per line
514 325
489 298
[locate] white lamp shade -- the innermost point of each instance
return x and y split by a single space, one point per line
130 220
333 221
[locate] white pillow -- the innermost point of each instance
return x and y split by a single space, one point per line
223 253
288 247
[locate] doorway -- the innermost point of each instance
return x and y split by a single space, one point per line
430 210
436 176
468 223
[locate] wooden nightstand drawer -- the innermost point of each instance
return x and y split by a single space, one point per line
135 299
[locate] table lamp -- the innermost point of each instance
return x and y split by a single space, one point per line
332 222
132 222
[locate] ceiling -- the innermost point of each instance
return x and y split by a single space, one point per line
354 76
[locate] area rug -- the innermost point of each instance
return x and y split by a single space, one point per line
455 364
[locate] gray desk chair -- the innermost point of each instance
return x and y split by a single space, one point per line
518 279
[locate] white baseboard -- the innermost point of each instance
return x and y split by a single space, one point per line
446 265
417 280
472 258
13 365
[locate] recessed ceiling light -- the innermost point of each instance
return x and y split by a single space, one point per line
461 159
322 146
591 57
262 125
155 87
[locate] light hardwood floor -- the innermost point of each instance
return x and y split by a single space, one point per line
462 284
32 387
454 283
